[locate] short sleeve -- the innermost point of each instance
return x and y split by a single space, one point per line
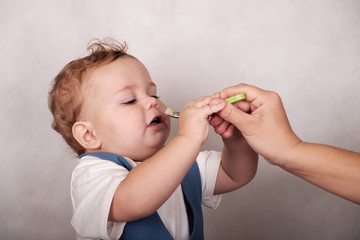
209 162
93 185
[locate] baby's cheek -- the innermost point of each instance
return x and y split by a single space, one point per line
162 106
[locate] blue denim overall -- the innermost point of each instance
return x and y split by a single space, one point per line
151 227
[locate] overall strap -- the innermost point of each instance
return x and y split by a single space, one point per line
152 227
191 187
111 157
148 228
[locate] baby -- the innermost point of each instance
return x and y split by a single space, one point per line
128 184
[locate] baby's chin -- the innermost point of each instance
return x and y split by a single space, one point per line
146 154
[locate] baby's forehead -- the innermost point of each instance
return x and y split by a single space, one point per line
125 72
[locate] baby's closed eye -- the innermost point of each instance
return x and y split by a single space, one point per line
132 101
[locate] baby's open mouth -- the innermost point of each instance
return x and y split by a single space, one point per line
156 120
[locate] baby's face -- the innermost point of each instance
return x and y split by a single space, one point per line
122 104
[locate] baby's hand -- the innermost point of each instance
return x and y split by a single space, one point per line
193 120
222 127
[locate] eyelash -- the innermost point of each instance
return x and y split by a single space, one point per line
131 101
134 100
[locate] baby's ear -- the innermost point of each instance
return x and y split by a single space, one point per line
85 134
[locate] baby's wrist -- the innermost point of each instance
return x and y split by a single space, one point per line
236 137
234 143
187 139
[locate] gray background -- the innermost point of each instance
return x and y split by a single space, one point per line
308 51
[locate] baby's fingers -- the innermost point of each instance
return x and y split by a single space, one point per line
229 131
199 102
214 107
221 127
215 120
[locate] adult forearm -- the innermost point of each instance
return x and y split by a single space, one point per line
333 169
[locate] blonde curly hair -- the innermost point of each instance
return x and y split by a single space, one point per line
65 99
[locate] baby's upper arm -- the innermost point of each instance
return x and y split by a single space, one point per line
93 184
209 163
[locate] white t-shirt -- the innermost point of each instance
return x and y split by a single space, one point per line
94 182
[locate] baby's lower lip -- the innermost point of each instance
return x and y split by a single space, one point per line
155 126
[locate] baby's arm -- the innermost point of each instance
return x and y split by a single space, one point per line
238 160
238 165
150 184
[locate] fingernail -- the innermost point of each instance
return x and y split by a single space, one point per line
216 101
215 95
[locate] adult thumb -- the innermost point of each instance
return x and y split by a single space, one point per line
235 116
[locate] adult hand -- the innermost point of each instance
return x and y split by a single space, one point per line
267 130
262 120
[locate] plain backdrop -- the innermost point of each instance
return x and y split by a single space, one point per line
306 50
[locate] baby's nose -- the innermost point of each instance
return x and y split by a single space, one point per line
151 102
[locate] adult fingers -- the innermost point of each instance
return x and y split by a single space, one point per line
250 91
235 116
